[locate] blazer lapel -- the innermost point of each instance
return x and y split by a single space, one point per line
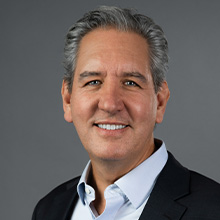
172 184
63 204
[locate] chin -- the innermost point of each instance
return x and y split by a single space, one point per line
109 156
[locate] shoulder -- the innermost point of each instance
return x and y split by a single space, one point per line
63 194
194 179
198 184
199 194
203 181
204 187
203 199
62 188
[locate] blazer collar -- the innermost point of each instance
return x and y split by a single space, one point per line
172 184
64 203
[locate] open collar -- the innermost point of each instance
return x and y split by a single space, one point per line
139 182
172 184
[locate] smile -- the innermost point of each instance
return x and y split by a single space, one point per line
111 127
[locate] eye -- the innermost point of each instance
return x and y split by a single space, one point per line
131 83
93 83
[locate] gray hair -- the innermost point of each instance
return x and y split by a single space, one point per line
123 20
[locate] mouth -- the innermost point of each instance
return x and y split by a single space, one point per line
111 126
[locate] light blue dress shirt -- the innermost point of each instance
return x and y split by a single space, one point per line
126 198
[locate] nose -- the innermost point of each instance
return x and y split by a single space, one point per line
111 100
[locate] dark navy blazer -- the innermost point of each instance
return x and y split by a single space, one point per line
178 194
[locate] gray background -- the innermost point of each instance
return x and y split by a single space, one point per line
39 150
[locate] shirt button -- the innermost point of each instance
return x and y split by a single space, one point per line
87 191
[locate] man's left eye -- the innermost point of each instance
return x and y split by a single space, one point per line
130 83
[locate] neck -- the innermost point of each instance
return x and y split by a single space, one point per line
106 172
100 178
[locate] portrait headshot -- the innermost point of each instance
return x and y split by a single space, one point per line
110 110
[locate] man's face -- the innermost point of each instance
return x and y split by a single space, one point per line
113 104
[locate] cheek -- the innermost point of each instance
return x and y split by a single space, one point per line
144 109
82 107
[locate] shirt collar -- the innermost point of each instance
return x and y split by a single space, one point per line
139 182
82 181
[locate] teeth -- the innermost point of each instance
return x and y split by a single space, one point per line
111 127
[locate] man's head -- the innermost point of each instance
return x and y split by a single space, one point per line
112 101
124 20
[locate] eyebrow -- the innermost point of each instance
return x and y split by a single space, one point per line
125 74
136 75
87 74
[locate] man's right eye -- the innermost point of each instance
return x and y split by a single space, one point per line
93 83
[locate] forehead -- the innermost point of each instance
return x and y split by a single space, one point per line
111 49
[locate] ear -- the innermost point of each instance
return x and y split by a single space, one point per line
66 96
163 96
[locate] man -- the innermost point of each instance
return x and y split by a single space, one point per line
114 92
